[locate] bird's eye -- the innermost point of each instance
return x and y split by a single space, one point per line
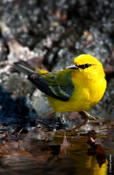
84 66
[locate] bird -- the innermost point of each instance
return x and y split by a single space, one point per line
77 88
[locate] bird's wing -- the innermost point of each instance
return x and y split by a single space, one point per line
57 85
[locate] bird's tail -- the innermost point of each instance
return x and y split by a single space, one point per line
23 66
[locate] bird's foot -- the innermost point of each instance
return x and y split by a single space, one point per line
85 115
60 124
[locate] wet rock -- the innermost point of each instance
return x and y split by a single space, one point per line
40 103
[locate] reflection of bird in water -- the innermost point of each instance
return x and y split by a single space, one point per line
97 162
94 167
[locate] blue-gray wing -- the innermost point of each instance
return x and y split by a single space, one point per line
57 85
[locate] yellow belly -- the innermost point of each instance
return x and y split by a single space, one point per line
85 95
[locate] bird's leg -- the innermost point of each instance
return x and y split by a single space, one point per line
60 121
58 117
85 115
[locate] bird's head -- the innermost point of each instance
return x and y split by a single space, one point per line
87 64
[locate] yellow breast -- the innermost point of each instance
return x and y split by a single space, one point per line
90 85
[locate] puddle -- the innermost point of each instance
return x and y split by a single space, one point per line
72 156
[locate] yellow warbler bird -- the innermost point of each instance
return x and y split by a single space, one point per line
76 88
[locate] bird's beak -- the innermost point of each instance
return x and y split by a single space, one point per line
73 66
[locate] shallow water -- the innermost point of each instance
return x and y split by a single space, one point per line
63 154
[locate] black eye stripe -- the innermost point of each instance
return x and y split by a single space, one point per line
84 66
